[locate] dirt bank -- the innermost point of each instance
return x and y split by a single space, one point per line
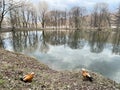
15 65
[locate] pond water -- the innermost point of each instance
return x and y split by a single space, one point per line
69 50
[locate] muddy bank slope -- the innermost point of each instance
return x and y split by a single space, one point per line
15 65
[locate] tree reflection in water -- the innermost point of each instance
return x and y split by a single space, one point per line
75 39
116 43
97 41
55 37
24 40
44 46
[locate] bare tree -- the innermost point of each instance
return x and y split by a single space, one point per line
54 15
24 16
43 7
52 18
76 17
117 18
34 18
100 16
26 10
57 18
6 6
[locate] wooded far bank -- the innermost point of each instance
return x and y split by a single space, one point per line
22 14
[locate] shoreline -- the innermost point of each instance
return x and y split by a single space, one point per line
56 29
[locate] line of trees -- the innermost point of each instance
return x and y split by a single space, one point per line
100 16
23 14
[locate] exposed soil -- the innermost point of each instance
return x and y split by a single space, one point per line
14 65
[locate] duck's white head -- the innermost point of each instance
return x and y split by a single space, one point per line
32 73
83 69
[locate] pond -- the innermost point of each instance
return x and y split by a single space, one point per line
97 51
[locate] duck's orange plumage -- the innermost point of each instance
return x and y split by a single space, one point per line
86 75
28 77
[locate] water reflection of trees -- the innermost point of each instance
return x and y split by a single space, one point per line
97 41
75 40
72 38
1 41
44 45
30 41
116 43
24 40
55 37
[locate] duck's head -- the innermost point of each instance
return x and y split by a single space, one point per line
83 69
32 73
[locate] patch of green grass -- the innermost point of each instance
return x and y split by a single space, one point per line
0 76
1 81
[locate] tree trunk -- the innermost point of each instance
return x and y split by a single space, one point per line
1 22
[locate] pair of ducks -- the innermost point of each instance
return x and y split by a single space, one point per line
29 77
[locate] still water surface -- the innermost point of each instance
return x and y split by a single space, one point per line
69 50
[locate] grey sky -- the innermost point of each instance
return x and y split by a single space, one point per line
66 4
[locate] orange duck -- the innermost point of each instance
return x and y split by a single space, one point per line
86 75
28 77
